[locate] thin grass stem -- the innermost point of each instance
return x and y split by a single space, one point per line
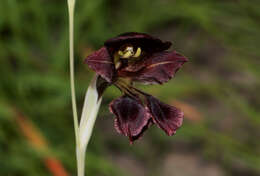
71 7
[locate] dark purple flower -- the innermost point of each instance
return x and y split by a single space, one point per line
137 57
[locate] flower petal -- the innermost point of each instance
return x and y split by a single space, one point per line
132 118
159 68
101 62
146 42
165 116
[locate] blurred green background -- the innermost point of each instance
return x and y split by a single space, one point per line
218 89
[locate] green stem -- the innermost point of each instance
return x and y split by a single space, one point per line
71 6
81 161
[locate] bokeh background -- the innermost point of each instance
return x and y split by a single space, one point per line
218 89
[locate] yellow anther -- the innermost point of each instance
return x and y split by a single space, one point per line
120 53
138 52
117 60
129 48
129 52
127 55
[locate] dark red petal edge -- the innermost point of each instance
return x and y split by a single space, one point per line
101 62
158 68
132 118
145 41
167 117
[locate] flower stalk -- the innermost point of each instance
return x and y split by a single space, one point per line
71 6
91 103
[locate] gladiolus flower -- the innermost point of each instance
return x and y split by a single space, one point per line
137 57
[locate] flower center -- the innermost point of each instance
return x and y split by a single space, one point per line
126 86
127 53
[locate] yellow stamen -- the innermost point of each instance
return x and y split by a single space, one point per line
138 52
117 60
120 53
129 48
129 52
127 55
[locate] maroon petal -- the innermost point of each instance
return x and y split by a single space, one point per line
101 62
157 68
165 116
146 42
132 118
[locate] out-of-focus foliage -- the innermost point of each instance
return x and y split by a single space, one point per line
218 88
